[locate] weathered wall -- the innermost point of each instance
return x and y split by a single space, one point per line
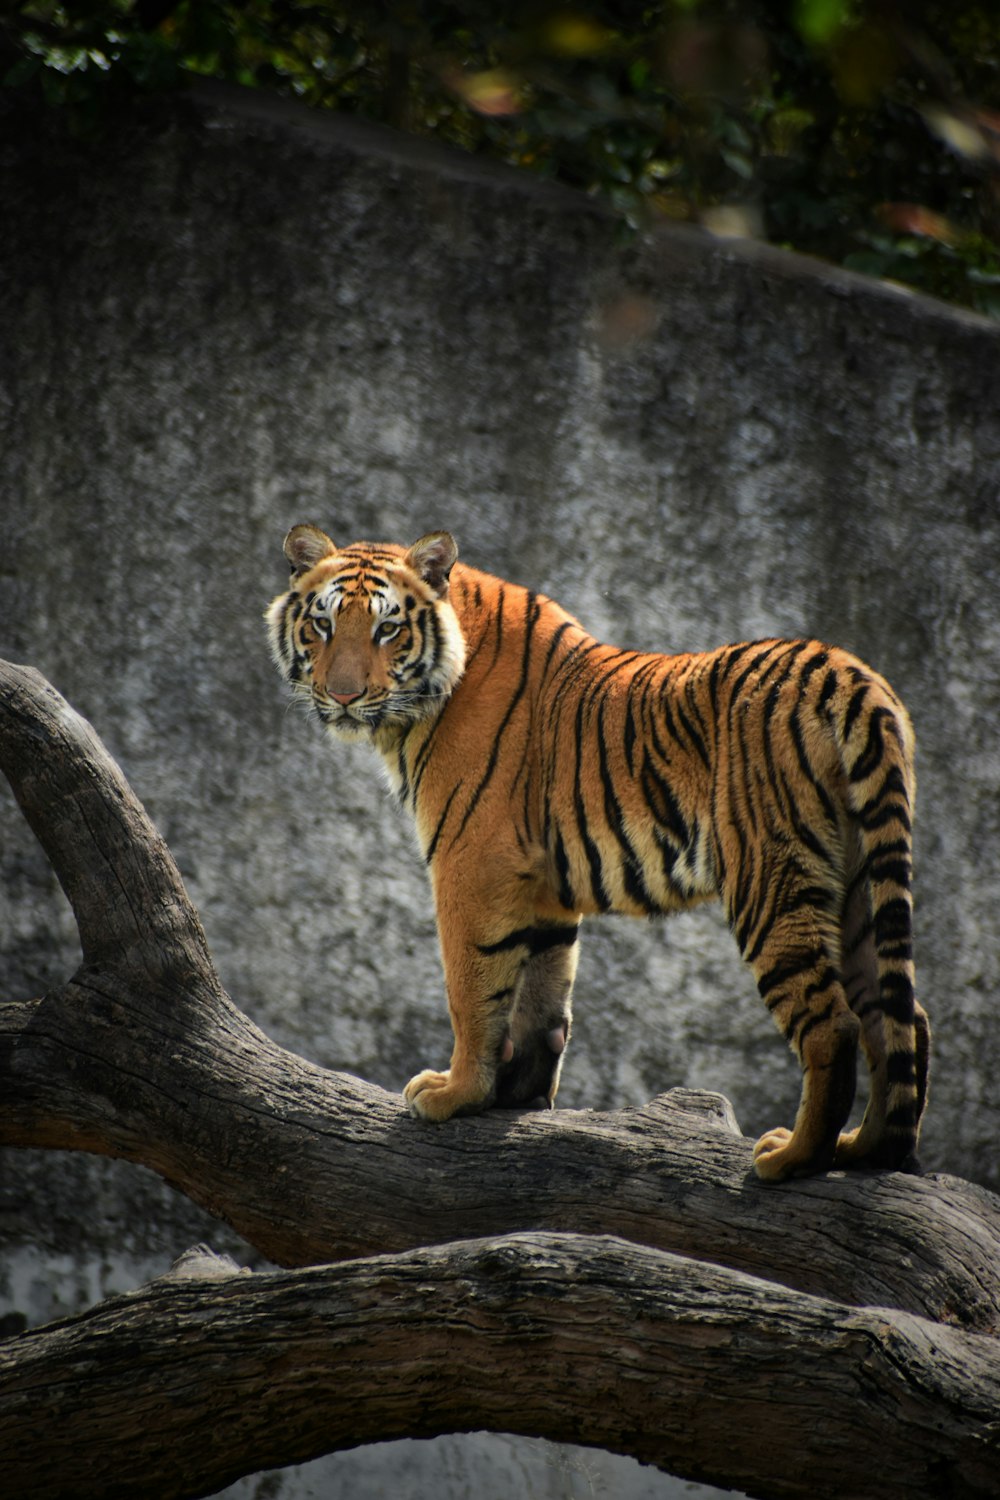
247 318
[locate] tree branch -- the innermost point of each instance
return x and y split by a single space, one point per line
129 901
190 1383
142 1055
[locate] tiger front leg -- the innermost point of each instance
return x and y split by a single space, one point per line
540 1027
509 1000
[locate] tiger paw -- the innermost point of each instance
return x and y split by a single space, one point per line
528 1075
850 1148
434 1096
772 1158
782 1153
875 1149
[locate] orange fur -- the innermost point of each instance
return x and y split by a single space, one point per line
551 777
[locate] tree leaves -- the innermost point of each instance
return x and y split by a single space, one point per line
803 123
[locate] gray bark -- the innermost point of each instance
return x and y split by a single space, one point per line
185 1384
833 1336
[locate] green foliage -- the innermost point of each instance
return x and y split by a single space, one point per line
859 130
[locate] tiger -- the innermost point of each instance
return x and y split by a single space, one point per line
551 777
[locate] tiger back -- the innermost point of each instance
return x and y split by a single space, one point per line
552 777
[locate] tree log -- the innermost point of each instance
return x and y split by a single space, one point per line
837 1325
182 1386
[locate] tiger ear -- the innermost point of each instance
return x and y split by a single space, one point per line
433 558
305 546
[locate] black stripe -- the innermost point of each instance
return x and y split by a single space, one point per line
798 964
653 705
853 709
730 656
631 865
402 770
775 779
823 796
743 822
598 889
818 660
372 550
496 615
893 922
423 757
721 664
531 612
896 870
535 939
525 834
809 898
901 1068
826 980
694 736
761 899
827 691
892 846
869 759
669 855
892 812
566 897
360 574
554 645
805 833
572 666
665 712
751 667
695 709
662 803
436 631
785 662
432 846
607 669
819 1019
896 1002
873 814
628 739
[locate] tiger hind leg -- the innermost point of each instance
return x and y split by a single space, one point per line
829 1070
887 1136
801 986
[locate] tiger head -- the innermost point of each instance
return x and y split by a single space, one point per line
367 633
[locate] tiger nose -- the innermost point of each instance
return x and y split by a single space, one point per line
344 698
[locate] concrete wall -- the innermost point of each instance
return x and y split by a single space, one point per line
244 317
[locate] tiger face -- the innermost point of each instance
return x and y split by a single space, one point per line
368 635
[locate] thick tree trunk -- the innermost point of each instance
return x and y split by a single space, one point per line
184 1385
833 1336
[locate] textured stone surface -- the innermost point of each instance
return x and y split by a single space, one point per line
246 318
